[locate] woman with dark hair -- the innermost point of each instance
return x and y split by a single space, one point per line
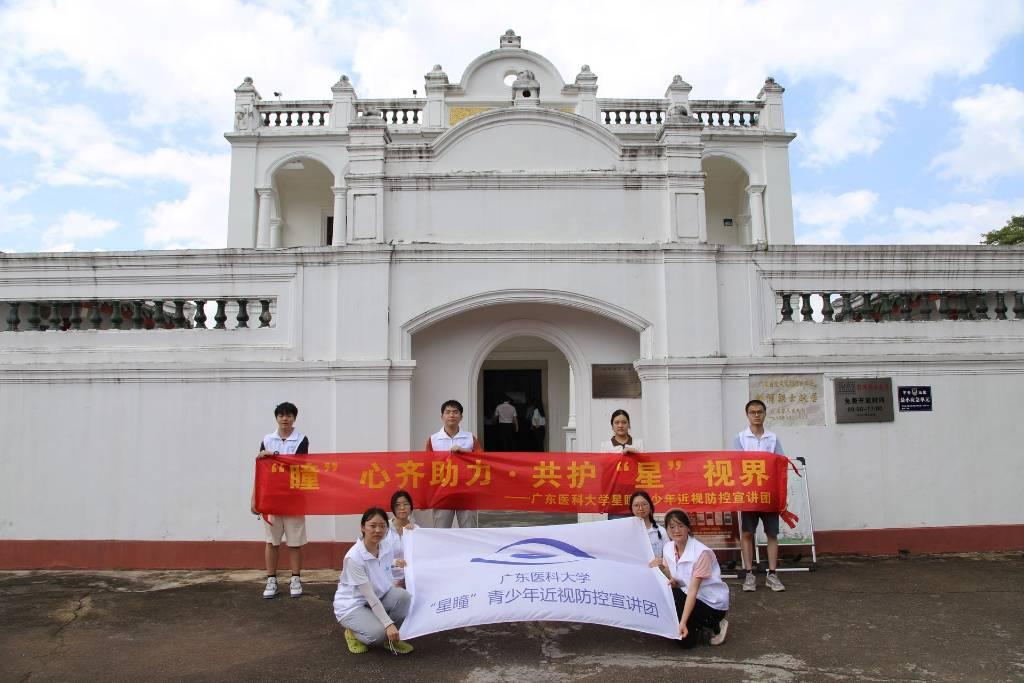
401 523
621 440
701 597
367 604
643 507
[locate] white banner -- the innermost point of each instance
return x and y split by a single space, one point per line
595 572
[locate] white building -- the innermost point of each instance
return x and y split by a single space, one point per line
387 255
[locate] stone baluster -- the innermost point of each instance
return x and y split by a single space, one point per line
138 319
805 307
115 315
220 316
981 309
12 316
33 317
179 313
1000 306
846 314
95 316
75 321
963 310
945 312
924 306
906 310
54 322
265 313
243 313
159 321
826 307
200 317
787 309
1018 305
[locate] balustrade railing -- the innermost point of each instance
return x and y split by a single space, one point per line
137 314
295 114
727 114
711 113
867 306
400 112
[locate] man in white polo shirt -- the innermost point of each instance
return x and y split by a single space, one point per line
453 439
285 441
756 438
508 425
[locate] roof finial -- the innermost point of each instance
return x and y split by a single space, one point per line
510 39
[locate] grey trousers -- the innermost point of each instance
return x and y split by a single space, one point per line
365 624
468 519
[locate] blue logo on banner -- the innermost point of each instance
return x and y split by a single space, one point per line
536 551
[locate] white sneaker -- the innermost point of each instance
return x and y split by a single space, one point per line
750 582
271 589
723 626
295 587
773 582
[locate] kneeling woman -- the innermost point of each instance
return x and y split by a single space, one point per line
367 604
702 598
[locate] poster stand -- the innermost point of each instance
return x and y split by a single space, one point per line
799 501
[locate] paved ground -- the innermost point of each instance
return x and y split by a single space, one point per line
928 619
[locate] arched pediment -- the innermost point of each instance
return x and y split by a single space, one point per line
533 139
484 78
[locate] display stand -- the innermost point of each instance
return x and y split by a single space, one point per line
799 502
720 531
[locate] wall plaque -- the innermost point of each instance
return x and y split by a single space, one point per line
792 400
914 398
863 399
615 381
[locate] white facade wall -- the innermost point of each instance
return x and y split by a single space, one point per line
149 434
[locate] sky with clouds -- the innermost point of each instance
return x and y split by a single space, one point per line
909 115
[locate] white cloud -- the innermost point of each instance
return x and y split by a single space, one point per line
72 226
828 215
953 223
199 220
991 133
12 220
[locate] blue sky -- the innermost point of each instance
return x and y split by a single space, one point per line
910 115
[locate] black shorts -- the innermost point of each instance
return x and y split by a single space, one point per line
769 520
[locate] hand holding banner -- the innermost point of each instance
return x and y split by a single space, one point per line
594 573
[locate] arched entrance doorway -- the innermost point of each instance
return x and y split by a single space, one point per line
534 348
305 204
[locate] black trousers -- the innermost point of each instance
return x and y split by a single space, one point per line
703 616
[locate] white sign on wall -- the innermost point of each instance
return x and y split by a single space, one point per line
595 572
792 400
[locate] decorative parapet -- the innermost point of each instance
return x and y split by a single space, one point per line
138 314
886 306
711 113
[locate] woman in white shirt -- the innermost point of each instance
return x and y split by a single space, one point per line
701 597
643 507
367 603
401 524
621 440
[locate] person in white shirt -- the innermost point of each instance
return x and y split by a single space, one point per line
621 442
701 597
401 524
756 438
367 603
453 439
508 425
285 441
643 507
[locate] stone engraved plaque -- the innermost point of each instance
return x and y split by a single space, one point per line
617 380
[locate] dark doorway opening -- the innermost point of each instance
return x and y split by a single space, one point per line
524 389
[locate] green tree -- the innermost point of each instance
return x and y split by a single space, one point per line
1011 233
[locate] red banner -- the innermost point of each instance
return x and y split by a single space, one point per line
349 483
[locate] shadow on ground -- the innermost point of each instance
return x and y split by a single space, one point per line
944 618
